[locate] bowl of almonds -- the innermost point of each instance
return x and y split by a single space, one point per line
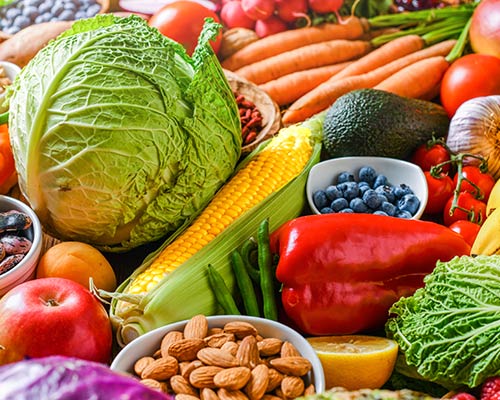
224 357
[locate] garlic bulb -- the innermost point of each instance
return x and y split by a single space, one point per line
475 129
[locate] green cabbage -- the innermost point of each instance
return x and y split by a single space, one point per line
449 330
120 137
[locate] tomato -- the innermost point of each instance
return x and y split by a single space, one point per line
427 157
467 229
440 190
483 181
182 21
473 75
466 201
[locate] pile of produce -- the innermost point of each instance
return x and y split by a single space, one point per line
166 193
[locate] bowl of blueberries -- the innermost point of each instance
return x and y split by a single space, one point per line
373 185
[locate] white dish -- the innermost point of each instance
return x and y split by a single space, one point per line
11 71
397 172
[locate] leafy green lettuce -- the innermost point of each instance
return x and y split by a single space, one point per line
449 330
120 137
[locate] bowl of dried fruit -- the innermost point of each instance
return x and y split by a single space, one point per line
8 72
20 243
259 114
226 355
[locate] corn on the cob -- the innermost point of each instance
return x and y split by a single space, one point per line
281 161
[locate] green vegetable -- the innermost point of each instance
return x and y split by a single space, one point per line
221 291
266 272
119 137
245 284
449 329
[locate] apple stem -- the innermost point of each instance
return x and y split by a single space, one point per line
52 303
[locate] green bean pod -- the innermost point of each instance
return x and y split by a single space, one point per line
221 291
245 284
270 309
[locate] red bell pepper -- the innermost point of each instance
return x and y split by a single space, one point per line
342 272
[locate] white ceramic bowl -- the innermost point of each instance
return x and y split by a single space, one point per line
25 270
148 343
397 172
11 70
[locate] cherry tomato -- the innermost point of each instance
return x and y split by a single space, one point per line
483 181
467 229
440 190
182 21
466 201
427 157
473 75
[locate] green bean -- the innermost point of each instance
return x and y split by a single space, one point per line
245 284
270 309
221 291
246 253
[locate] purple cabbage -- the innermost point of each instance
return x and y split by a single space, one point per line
65 378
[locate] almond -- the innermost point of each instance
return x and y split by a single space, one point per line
154 384
240 329
186 349
196 327
180 385
248 352
258 382
269 346
214 330
142 363
182 396
270 397
310 389
232 378
161 369
203 377
208 394
168 339
186 367
230 347
292 386
289 350
296 366
219 339
225 394
275 379
217 357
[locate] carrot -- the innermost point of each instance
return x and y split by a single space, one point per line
311 56
424 75
293 39
289 88
326 93
383 55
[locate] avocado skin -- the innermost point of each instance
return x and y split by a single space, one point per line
371 122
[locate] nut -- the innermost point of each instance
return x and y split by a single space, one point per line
258 382
289 350
161 369
203 377
142 363
208 394
168 339
248 352
310 389
186 349
180 385
275 378
240 329
296 366
196 327
292 386
219 339
182 396
225 394
217 357
186 367
232 378
154 384
269 346
230 347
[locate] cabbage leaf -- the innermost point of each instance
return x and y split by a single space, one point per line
449 330
119 136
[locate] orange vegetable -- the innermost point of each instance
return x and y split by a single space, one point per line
7 166
425 76
311 56
326 93
289 88
288 40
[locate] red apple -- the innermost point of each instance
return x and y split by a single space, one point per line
54 316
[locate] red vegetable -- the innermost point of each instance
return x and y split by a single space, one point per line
483 182
426 156
467 229
258 9
467 207
440 190
484 33
269 26
233 16
290 10
342 272
325 6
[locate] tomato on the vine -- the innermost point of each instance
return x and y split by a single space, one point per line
427 157
482 180
440 190
470 76
467 229
476 209
183 21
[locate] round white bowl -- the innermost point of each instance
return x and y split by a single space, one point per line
25 270
397 172
11 70
148 343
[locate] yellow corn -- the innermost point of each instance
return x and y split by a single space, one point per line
268 170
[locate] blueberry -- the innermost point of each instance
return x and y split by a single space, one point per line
410 203
367 174
31 12
380 212
401 190
380 180
44 7
345 176
57 9
403 214
351 191
67 15
389 208
339 204
12 13
346 211
363 187
372 199
22 21
387 191
70 6
80 15
342 186
326 210
93 10
320 200
333 192
358 205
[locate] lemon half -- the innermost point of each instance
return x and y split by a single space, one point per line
355 361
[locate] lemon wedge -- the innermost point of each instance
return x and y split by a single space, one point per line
355 361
